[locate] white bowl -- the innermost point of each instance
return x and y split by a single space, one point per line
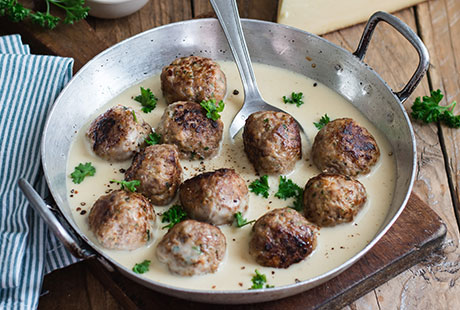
114 8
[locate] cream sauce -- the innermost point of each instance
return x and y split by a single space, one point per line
335 245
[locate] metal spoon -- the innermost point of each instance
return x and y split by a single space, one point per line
227 14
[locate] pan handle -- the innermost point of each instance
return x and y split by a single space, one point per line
410 35
76 248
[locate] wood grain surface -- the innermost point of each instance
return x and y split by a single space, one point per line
430 285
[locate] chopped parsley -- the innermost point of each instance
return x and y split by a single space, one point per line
147 99
173 215
428 110
259 280
212 110
129 185
81 171
134 116
241 221
142 267
296 98
288 189
260 186
322 121
153 138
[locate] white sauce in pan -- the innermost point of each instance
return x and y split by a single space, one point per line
335 245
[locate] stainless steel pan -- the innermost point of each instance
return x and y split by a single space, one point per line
132 60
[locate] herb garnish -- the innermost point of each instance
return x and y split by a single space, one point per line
134 116
173 215
322 122
288 189
16 12
259 280
296 98
142 267
153 138
212 111
241 221
429 110
81 171
130 185
260 186
147 99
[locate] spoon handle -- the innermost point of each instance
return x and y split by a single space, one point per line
229 19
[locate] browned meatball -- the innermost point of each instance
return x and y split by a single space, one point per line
282 237
193 78
122 220
185 124
158 169
192 248
117 134
331 199
343 146
272 141
214 197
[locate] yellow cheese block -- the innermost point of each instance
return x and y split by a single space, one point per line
322 16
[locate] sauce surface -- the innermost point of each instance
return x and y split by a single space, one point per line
335 244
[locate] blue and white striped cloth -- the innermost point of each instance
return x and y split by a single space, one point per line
29 84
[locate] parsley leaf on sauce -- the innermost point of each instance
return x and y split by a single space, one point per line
147 99
212 110
142 267
241 221
173 215
81 171
322 122
129 185
296 98
153 138
288 189
428 110
259 280
260 186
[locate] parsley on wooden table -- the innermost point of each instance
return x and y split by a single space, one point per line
81 171
296 98
142 267
147 99
129 185
259 280
16 12
322 122
241 221
153 138
428 110
173 215
212 110
260 186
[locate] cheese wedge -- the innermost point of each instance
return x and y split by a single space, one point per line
322 16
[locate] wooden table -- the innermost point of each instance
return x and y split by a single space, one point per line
428 285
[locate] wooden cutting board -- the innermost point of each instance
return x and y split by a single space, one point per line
418 232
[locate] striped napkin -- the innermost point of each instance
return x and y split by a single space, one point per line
29 84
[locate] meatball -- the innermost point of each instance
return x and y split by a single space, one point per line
282 237
331 199
192 248
118 134
185 124
122 220
214 197
343 146
158 169
193 78
272 141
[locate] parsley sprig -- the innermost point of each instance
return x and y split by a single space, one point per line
212 110
142 267
296 98
241 221
129 185
153 138
147 99
288 189
322 121
428 110
173 215
260 186
81 171
16 12
259 280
